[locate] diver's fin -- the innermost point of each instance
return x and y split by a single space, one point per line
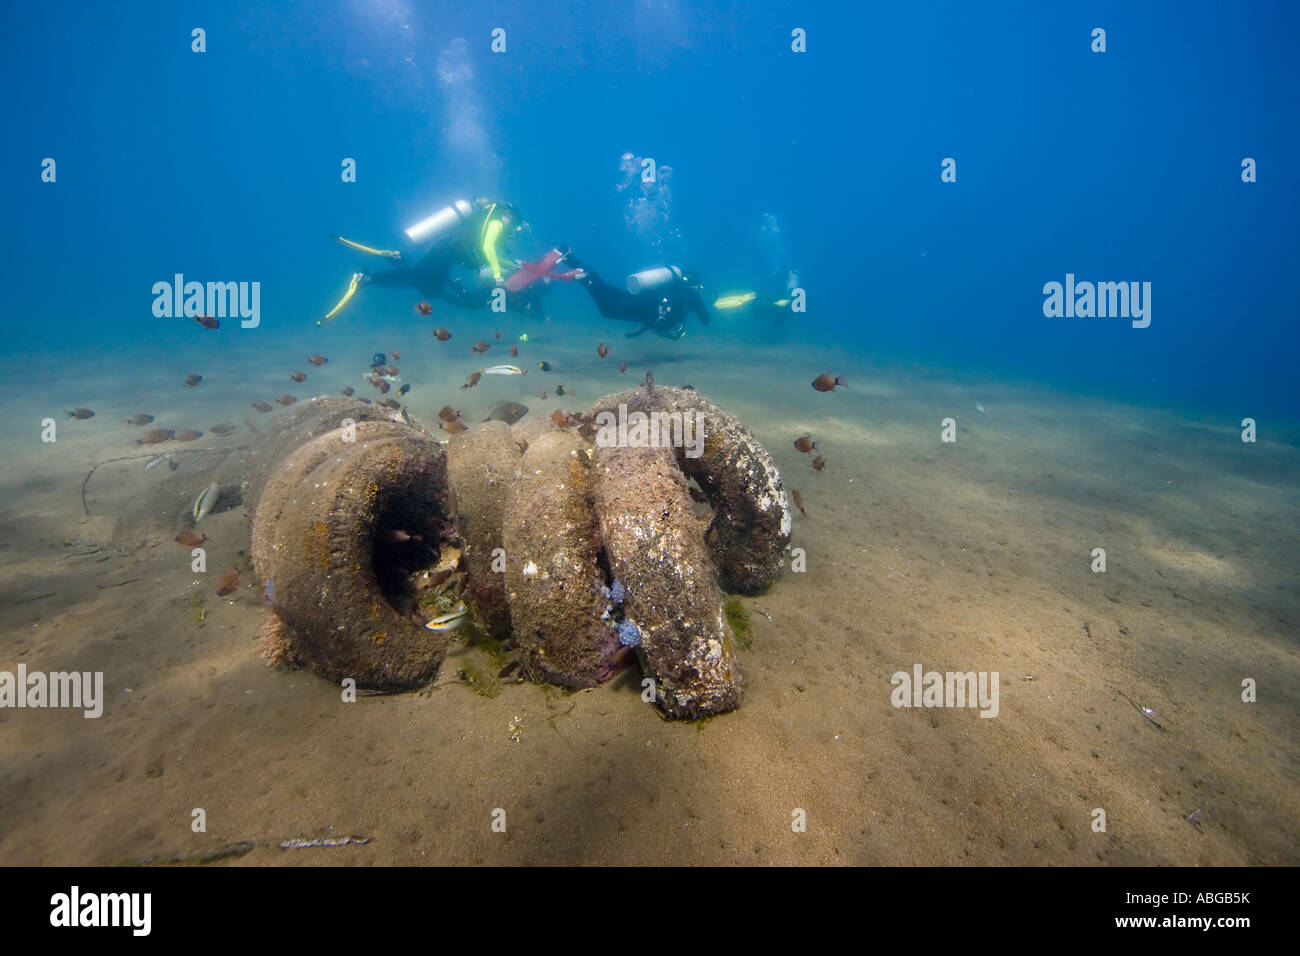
386 253
734 301
347 297
530 272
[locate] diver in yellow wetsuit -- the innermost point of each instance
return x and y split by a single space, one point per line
470 235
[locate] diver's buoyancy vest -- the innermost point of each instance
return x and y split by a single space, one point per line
470 220
489 209
487 212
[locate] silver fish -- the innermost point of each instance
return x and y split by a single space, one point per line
451 620
204 503
503 370
155 460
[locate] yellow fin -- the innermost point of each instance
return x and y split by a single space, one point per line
734 301
370 250
347 296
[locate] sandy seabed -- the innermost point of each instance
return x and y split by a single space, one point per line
970 556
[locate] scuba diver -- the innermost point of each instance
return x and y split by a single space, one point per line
777 302
466 234
771 304
659 298
771 298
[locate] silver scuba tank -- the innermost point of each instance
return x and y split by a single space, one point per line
441 222
652 280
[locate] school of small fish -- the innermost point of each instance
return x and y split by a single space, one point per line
382 377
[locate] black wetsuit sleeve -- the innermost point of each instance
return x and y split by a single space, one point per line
695 302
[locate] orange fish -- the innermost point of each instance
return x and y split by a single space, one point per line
207 321
798 501
480 347
262 406
383 387
649 380
559 418
347 390
497 334
805 444
622 366
819 462
188 434
826 382
472 380
397 355
191 538
448 414
514 351
154 436
454 428
442 335
228 583
317 360
138 420
82 413
286 399
298 376
602 350
543 394
424 308
192 379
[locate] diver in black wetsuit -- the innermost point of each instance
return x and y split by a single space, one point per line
470 235
660 299
430 276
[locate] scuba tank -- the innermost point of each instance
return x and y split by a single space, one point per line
441 222
652 280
